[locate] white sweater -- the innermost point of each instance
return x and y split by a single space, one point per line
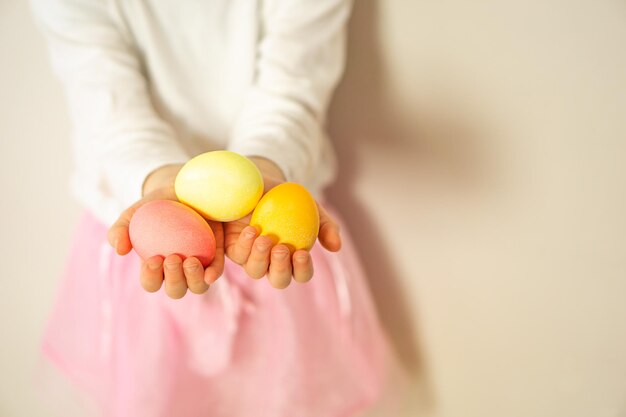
154 82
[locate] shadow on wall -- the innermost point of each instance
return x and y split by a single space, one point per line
434 144
359 111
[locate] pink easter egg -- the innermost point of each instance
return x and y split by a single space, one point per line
165 227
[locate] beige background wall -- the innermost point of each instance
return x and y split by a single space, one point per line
482 146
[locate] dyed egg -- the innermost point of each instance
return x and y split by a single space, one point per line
165 227
288 215
220 185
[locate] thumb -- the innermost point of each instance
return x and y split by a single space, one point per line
329 234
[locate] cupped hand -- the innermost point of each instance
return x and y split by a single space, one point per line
177 274
260 257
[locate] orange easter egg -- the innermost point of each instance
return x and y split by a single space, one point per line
288 214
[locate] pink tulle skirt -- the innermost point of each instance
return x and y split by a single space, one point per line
242 349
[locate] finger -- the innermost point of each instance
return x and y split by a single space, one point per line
259 259
151 274
118 236
216 268
194 273
302 266
240 250
329 235
232 232
175 282
280 267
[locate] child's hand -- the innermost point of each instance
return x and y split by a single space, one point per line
259 256
178 275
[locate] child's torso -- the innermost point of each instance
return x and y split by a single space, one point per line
199 58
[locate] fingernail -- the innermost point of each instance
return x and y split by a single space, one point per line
153 266
170 266
262 246
191 267
280 254
301 258
250 233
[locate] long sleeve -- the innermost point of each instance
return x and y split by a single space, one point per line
118 136
299 62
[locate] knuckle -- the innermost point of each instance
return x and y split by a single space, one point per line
281 265
176 293
199 288
304 276
150 285
255 273
280 282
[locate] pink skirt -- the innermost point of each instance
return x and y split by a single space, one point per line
242 349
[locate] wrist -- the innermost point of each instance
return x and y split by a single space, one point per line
271 172
269 169
161 178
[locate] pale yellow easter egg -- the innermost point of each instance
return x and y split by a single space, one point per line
288 214
220 185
